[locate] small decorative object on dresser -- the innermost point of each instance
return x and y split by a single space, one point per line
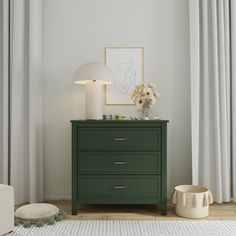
119 162
144 97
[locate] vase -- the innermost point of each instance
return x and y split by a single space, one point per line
144 113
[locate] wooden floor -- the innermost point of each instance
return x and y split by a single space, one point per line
226 211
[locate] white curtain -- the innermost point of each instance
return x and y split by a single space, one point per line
4 92
233 64
210 49
26 100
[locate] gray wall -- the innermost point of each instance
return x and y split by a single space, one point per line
76 32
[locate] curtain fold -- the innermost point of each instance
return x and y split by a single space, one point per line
26 101
210 96
195 85
4 93
233 88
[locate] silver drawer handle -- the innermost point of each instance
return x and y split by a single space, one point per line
119 186
119 162
119 139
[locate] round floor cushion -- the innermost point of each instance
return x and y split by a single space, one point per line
37 211
38 214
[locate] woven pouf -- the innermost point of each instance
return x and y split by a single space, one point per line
192 201
6 209
38 214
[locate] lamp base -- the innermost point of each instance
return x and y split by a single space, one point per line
94 100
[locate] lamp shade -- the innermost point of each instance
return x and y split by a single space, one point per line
93 72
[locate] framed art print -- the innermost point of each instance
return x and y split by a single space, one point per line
127 66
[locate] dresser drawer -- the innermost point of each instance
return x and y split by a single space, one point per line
119 162
119 138
119 186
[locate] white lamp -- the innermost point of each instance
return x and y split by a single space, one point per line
94 76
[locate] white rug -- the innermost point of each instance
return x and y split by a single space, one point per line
132 228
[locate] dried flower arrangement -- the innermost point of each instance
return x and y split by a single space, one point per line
145 96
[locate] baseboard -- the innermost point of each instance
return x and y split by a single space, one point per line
51 198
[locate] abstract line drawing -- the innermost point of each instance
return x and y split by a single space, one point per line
127 66
126 77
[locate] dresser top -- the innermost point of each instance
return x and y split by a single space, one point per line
118 121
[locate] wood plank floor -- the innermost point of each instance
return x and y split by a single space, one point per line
226 211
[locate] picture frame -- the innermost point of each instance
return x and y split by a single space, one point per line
127 64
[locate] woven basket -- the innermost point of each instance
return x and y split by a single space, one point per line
192 201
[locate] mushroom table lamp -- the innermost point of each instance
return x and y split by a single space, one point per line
94 76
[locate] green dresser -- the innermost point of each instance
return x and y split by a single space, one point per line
119 162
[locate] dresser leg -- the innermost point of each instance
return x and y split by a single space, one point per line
164 209
75 158
74 207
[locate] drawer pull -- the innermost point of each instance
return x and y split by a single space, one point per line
119 139
119 187
119 162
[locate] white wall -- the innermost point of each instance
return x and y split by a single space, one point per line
76 32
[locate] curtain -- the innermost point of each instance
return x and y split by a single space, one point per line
26 101
210 52
233 64
4 92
